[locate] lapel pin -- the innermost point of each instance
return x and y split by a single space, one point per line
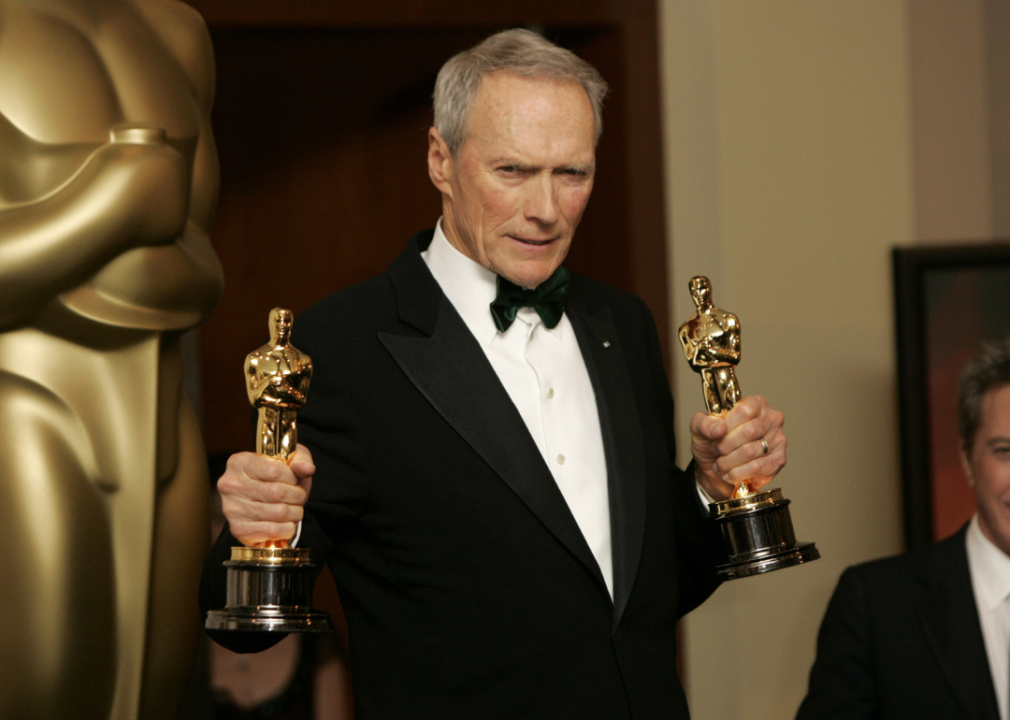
606 343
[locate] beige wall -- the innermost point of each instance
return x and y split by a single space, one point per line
804 140
950 121
996 21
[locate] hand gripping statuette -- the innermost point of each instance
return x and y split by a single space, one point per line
757 529
270 585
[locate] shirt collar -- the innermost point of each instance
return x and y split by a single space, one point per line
990 567
470 287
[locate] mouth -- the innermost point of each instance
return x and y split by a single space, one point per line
532 242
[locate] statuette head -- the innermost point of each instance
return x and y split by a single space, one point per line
701 291
280 325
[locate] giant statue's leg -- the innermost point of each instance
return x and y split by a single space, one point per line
57 592
181 537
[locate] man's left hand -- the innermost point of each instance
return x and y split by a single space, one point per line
731 449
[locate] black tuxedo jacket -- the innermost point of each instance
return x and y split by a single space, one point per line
468 587
901 639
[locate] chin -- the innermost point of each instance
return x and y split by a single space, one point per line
525 269
531 277
533 282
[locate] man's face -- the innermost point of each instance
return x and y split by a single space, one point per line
988 467
515 192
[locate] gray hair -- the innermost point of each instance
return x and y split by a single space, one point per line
519 52
989 371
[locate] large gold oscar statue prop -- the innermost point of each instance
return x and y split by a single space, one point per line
270 585
108 182
756 527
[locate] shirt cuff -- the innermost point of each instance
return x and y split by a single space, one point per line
703 496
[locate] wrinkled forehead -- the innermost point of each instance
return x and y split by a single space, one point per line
506 103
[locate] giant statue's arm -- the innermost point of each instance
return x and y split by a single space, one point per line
186 36
124 195
121 197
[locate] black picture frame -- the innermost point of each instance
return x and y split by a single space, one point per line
949 300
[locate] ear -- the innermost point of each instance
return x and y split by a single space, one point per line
966 466
441 167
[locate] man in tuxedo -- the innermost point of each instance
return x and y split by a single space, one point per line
490 437
927 634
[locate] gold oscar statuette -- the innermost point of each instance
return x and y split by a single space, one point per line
270 585
757 529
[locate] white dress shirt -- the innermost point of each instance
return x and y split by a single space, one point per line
990 579
543 371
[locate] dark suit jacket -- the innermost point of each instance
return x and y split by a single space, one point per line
468 587
901 639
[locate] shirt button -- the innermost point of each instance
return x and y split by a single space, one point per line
550 392
561 459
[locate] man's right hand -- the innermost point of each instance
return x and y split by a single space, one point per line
263 498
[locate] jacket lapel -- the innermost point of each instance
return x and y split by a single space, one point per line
950 619
447 365
622 440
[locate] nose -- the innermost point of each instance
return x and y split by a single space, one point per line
541 201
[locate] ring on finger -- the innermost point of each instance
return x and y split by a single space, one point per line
764 446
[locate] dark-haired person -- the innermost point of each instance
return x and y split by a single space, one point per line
927 634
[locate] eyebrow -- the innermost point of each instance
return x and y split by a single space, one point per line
521 167
525 167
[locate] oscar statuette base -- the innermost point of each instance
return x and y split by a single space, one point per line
757 531
269 590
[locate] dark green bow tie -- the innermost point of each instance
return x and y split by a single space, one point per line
548 299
